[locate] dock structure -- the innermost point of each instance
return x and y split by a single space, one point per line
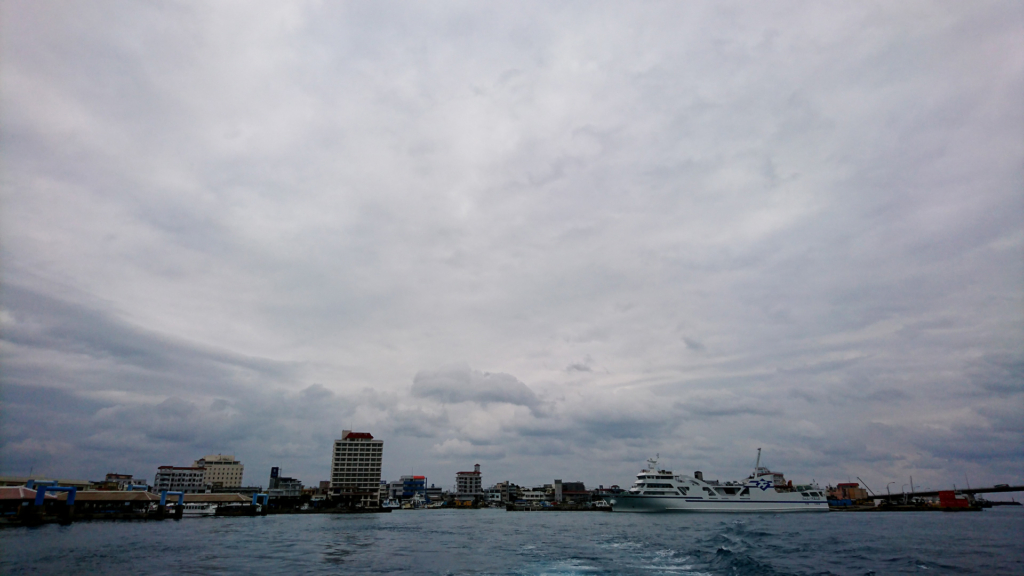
902 496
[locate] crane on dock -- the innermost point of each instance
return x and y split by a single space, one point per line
870 491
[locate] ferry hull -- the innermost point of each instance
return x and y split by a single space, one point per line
629 503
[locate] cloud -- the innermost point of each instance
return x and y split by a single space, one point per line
245 230
694 345
459 383
728 405
55 335
1000 374
453 448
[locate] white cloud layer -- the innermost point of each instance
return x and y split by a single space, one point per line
552 238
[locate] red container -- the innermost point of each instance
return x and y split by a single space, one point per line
949 499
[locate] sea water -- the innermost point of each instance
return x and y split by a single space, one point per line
499 542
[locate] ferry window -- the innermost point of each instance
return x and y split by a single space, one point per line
745 492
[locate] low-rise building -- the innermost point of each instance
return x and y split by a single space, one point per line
433 493
283 486
244 490
502 492
407 487
119 482
575 492
847 491
222 470
187 479
535 494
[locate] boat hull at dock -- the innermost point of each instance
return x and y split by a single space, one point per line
625 503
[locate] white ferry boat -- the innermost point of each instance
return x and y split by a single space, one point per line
199 509
658 490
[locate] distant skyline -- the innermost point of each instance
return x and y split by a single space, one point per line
554 239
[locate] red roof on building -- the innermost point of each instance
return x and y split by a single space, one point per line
358 436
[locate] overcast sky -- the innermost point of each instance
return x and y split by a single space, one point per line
551 238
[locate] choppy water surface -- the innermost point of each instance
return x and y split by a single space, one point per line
498 542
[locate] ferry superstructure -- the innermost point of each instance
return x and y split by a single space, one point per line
657 490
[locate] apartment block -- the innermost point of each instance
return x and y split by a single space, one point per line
355 468
469 483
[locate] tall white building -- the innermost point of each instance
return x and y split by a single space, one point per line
222 470
355 468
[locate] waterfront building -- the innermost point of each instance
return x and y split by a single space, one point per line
433 493
537 494
469 483
847 491
502 492
222 470
283 486
355 468
250 490
118 482
187 479
571 492
393 491
14 498
407 487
